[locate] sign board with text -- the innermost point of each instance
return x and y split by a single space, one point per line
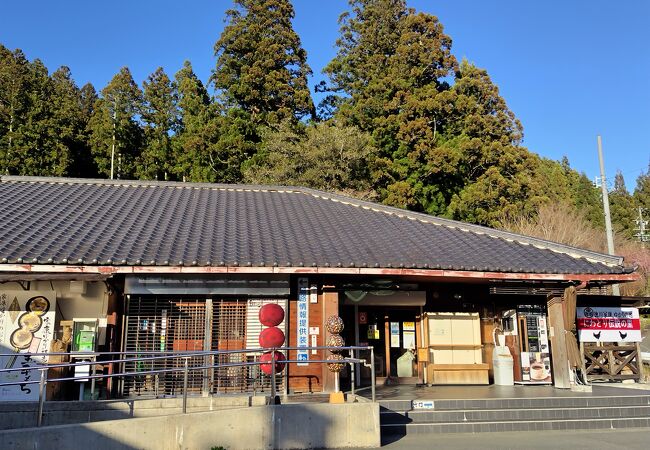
601 324
26 326
303 321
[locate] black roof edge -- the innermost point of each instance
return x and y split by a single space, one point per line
479 229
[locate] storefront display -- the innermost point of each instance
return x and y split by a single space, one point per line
534 352
454 341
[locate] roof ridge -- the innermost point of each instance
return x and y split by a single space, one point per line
146 183
571 251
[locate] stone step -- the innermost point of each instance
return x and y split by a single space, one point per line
522 403
388 417
497 426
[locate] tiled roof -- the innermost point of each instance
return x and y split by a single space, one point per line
103 222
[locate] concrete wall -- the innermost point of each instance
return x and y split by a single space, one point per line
259 427
24 414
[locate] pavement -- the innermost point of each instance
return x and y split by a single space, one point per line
627 438
411 392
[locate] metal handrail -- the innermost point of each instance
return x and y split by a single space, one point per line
185 355
183 352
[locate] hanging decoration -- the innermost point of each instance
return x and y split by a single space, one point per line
271 315
335 366
334 325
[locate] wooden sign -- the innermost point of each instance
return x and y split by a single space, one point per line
614 324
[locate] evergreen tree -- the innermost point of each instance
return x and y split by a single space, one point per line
14 86
195 112
621 205
447 146
42 125
160 116
115 124
211 144
69 142
232 140
35 137
85 165
642 191
261 67
388 78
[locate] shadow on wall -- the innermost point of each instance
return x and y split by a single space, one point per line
277 426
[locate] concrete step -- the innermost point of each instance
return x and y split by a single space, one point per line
496 426
389 417
522 403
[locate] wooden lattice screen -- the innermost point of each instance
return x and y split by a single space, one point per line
611 361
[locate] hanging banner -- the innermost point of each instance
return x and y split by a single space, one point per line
303 321
26 326
597 324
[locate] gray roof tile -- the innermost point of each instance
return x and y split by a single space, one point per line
102 222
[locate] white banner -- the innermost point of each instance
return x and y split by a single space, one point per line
302 327
26 326
616 324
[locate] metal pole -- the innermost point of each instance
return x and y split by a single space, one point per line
185 372
356 341
372 371
423 339
212 374
642 231
92 380
337 382
41 397
113 146
273 376
353 372
608 218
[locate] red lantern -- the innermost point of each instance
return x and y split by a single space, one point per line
266 358
271 315
271 337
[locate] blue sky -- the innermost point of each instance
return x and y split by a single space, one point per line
570 70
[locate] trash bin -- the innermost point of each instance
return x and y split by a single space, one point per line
503 364
405 364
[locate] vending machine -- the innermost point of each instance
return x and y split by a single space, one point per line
534 352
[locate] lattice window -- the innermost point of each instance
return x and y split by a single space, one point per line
181 324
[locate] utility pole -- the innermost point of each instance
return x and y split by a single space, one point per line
641 228
608 218
113 147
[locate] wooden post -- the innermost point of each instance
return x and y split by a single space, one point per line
330 307
639 360
387 344
558 343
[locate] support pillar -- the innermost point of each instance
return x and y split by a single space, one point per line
559 355
330 302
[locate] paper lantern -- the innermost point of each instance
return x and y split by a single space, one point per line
279 362
335 366
271 315
334 324
335 340
271 337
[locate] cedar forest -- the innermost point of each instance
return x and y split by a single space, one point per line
402 122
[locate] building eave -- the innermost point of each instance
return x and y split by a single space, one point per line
460 275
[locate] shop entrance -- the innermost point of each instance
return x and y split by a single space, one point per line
391 325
